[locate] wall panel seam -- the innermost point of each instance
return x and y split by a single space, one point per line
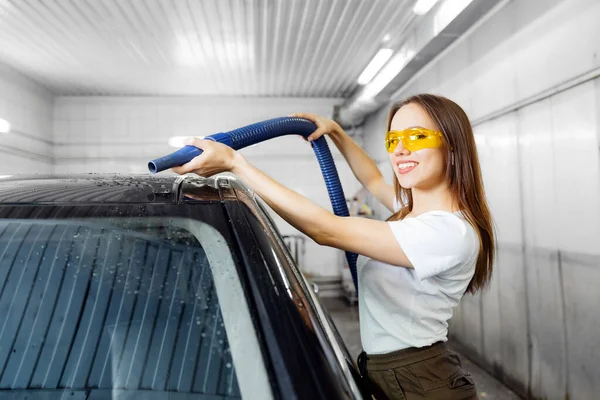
26 154
559 88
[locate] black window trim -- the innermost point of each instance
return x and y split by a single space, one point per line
334 339
323 335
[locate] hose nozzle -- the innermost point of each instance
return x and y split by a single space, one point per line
175 159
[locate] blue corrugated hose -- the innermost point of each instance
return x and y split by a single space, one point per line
259 132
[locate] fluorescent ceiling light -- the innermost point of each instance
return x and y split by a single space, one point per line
422 7
374 66
386 38
5 176
4 126
385 76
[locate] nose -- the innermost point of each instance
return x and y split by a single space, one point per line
400 149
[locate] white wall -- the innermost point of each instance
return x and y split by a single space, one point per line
526 48
542 170
121 134
527 78
27 106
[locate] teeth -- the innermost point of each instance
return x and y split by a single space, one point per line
407 165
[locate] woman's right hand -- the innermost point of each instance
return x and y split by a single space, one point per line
324 125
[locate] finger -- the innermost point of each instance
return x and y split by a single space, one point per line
186 168
316 134
179 170
308 116
191 166
197 142
189 141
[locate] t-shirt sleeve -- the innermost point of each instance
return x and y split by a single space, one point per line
435 242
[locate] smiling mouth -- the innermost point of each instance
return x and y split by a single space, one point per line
405 167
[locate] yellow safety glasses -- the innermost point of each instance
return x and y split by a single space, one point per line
413 139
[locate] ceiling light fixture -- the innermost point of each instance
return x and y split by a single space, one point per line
422 7
382 56
4 126
389 72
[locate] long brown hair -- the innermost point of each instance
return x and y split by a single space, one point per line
463 175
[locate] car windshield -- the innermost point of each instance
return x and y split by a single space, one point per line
136 303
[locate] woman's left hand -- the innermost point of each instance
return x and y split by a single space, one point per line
216 158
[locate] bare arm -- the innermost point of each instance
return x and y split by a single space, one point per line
363 166
371 238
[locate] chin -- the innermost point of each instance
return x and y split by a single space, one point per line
407 186
406 183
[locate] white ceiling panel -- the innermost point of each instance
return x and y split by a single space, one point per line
306 48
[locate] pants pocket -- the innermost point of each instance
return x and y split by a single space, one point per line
438 371
462 382
385 386
460 388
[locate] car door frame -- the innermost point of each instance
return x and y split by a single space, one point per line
267 256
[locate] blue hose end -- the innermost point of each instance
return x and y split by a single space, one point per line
152 167
175 159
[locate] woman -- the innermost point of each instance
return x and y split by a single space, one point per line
415 267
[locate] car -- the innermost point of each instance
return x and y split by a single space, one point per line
156 287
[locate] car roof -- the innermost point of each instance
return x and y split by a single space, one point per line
114 188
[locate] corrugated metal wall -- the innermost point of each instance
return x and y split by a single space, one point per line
537 323
190 47
536 113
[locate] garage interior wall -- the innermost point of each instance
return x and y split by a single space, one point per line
529 79
121 134
537 133
28 107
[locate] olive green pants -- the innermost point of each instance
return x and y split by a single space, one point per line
432 372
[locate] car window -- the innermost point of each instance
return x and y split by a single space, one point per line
124 305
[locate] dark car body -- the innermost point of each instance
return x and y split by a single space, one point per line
156 287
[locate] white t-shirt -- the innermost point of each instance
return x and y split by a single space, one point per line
410 307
